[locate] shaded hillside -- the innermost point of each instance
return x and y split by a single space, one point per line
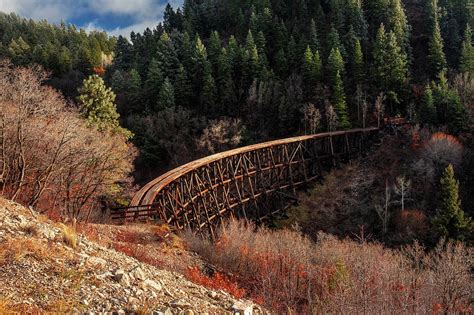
392 194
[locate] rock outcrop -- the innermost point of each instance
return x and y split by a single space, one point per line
42 269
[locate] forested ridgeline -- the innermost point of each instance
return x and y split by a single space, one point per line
69 53
217 74
220 74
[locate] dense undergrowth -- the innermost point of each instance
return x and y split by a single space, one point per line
285 270
393 194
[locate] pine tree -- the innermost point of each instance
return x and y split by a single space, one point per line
167 57
281 36
261 43
118 81
281 64
436 56
457 115
317 66
356 19
254 23
225 84
456 15
209 95
134 83
234 54
96 102
186 53
312 71
450 220
214 49
335 65
390 65
358 63
340 105
166 97
466 64
451 111
184 91
154 80
334 42
201 66
123 59
251 62
428 110
398 23
313 37
293 57
309 66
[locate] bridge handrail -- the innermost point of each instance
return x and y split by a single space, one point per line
162 181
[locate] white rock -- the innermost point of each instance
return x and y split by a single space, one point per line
166 311
104 275
179 303
153 284
139 274
96 262
121 277
242 308
133 302
48 234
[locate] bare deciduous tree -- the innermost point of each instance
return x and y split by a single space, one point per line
311 119
331 117
50 158
402 188
365 109
379 108
221 135
441 150
383 211
360 99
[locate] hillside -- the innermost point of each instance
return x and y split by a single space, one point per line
43 269
377 95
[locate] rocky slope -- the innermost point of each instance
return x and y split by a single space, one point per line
46 267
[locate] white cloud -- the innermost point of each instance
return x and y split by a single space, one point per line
137 28
52 10
140 7
9 6
144 13
92 26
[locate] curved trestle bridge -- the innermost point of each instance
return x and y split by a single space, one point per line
252 182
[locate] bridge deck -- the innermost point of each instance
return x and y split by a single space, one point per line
146 195
253 182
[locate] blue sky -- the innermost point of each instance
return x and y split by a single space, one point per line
118 17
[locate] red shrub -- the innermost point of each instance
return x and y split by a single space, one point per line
99 70
412 222
88 231
217 282
138 252
128 237
285 271
443 149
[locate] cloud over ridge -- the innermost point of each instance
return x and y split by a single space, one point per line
94 14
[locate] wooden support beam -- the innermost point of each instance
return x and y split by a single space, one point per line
245 182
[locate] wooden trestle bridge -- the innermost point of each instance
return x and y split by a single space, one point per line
253 182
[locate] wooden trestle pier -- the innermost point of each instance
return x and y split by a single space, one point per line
253 182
